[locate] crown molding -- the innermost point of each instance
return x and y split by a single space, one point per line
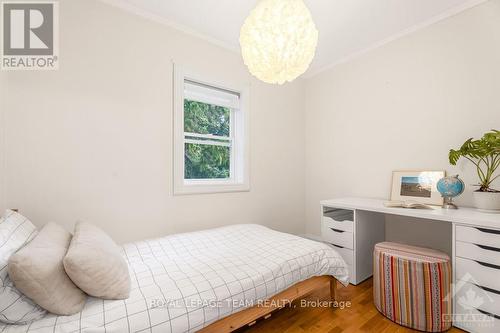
435 19
123 5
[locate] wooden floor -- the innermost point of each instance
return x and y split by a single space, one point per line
362 316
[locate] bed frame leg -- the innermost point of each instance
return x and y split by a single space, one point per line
333 288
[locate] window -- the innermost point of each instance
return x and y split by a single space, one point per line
210 136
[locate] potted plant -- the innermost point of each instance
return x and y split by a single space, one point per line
485 155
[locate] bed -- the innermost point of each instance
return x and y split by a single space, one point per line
202 281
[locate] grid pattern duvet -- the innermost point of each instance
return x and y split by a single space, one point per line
184 282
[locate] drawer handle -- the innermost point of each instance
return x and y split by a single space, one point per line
489 314
493 291
487 265
489 248
341 247
341 231
489 231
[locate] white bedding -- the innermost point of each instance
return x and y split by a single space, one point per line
183 282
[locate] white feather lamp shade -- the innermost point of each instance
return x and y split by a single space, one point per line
278 40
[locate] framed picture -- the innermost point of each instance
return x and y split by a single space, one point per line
420 186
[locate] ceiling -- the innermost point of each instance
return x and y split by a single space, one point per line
346 27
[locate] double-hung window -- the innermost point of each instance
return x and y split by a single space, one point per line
210 136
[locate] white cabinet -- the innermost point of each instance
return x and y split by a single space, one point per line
354 234
477 276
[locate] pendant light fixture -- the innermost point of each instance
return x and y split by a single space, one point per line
278 40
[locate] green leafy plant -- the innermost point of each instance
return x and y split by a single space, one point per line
484 154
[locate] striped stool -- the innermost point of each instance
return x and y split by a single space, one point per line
411 286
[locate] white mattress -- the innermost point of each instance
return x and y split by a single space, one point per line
183 282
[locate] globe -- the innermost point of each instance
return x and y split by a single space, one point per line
451 186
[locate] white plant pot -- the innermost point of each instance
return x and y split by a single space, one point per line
487 201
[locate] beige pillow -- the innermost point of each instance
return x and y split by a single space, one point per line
95 264
37 271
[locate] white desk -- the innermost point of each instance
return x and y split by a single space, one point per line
464 216
355 225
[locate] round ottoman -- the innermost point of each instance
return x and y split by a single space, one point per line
412 286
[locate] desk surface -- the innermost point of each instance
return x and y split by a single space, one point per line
463 215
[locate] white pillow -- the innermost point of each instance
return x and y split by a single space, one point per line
37 271
15 232
95 264
15 308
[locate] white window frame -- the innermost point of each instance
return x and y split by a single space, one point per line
239 138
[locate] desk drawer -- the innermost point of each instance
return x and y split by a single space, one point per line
487 254
476 321
469 295
344 225
347 254
480 273
337 236
480 236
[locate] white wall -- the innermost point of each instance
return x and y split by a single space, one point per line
93 140
3 105
403 106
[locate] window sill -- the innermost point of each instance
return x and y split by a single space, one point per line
210 189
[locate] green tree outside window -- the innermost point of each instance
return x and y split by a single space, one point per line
207 161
